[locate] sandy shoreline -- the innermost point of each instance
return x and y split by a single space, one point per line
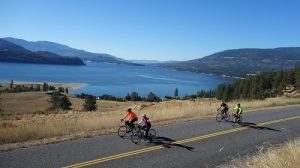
71 86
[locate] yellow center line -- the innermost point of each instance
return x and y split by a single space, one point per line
144 150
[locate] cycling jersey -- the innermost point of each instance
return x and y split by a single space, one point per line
238 109
145 120
130 116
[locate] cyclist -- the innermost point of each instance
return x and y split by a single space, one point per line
225 108
238 111
130 118
147 124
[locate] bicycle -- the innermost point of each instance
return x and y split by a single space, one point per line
139 134
124 130
221 115
237 119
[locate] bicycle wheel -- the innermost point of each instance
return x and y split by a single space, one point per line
240 120
234 121
122 131
136 136
227 117
219 117
152 133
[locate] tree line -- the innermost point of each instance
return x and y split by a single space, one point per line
17 88
261 86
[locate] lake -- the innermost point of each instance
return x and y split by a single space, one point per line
117 80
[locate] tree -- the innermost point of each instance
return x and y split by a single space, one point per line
90 103
0 104
45 87
54 100
290 76
152 97
227 95
61 89
31 87
11 84
38 87
51 87
59 101
127 97
176 92
220 90
135 96
65 103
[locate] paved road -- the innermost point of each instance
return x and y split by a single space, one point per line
203 143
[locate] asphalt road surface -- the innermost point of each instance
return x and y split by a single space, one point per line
202 143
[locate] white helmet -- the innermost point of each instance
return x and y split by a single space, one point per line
144 115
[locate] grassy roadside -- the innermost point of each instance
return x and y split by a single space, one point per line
285 155
25 122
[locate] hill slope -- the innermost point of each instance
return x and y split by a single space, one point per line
240 62
10 52
67 51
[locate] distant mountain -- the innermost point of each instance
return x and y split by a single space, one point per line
239 62
151 61
10 52
67 51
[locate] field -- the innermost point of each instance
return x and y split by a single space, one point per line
25 120
286 155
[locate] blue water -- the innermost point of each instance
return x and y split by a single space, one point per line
113 79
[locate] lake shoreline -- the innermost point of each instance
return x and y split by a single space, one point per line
71 86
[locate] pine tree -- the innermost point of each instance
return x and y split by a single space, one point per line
227 95
220 90
0 104
90 103
290 77
11 84
44 87
176 93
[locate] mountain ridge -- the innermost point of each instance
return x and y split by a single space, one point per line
10 52
65 50
240 62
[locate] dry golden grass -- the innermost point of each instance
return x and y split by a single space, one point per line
76 123
24 103
286 155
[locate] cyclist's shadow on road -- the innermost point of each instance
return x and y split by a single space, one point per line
168 143
255 126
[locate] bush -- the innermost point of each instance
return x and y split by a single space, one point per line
59 101
90 103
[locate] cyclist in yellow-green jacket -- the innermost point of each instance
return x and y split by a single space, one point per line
238 111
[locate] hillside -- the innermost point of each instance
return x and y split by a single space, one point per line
240 62
10 52
64 50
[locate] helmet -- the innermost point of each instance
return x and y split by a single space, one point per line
239 104
144 115
129 110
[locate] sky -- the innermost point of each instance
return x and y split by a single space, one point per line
154 29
